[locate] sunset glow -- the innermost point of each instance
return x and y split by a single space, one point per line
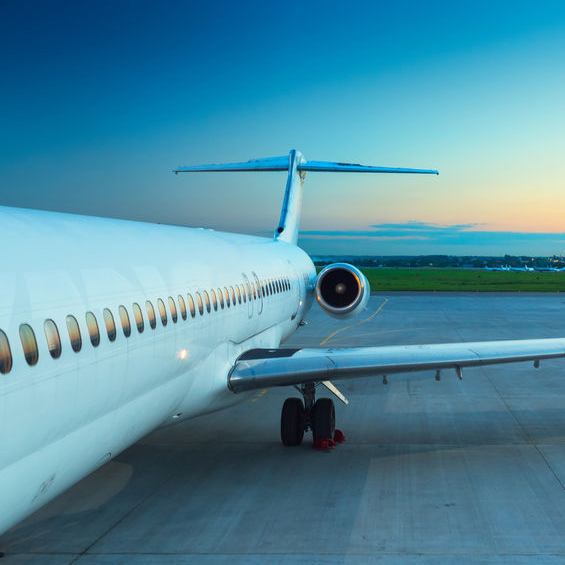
103 102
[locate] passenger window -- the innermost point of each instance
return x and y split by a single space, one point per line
110 324
162 311
53 338
270 288
173 309
238 294
151 314
254 288
200 304
182 307
206 300
227 296
93 330
29 344
191 305
232 291
124 318
248 291
138 315
214 300
5 354
74 333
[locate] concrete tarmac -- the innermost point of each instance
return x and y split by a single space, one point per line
468 471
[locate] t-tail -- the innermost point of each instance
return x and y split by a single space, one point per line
297 167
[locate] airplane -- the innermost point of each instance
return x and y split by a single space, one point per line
110 329
547 269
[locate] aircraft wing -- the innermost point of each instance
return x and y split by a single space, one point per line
263 368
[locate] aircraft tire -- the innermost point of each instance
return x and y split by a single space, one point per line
293 422
323 419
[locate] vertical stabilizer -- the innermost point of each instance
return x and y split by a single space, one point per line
287 229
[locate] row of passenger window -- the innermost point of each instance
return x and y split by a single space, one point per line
203 301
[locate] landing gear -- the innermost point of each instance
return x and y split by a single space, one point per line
319 416
293 421
322 420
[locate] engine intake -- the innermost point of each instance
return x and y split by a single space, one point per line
342 290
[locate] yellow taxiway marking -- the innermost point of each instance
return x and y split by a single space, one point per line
259 395
356 323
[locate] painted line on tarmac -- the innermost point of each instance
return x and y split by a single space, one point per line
355 324
259 395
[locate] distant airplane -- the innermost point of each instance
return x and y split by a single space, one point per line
523 269
110 329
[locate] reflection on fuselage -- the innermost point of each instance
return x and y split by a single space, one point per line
28 339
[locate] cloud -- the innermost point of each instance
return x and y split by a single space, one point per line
424 238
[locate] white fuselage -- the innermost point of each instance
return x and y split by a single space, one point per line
63 417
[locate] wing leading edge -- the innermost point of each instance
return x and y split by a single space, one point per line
264 368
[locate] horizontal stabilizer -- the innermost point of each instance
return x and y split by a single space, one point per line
283 163
326 166
269 164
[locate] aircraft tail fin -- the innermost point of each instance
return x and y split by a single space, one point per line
297 167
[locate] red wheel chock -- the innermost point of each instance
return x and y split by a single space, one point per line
339 436
324 444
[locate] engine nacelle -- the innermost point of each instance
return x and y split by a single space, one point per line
342 290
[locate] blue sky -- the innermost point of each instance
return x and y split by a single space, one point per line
101 100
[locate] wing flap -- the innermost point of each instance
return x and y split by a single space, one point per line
263 368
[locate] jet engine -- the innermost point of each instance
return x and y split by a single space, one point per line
342 290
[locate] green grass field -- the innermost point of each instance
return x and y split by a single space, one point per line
465 280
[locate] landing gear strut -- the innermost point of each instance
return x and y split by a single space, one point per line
319 416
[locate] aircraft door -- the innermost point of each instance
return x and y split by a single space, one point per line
249 294
298 292
259 293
